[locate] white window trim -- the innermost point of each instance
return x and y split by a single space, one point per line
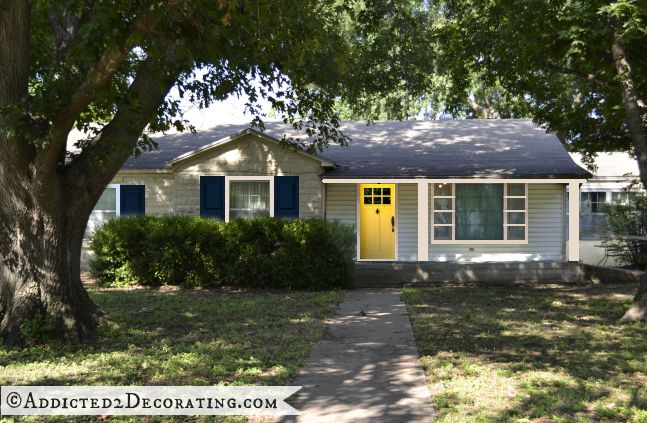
504 241
117 188
259 178
117 199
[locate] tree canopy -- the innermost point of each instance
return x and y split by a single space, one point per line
106 67
556 55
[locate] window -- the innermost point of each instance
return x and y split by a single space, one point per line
249 199
624 197
106 208
479 212
476 213
593 220
377 195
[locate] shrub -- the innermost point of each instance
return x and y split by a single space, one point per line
193 251
629 219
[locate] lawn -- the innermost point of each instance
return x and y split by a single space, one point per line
531 353
196 337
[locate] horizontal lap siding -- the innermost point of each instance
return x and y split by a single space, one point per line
407 210
341 203
545 237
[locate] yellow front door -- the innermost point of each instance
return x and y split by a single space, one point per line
377 221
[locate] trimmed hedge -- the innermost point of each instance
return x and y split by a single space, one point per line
194 251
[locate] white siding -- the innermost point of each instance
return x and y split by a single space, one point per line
407 211
341 203
545 233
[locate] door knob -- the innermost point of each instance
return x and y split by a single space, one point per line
377 211
392 223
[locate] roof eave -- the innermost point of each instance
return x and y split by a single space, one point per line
231 138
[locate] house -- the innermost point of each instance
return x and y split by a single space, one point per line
616 179
451 191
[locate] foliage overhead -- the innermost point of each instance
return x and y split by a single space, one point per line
553 55
300 56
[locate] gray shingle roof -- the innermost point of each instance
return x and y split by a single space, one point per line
448 148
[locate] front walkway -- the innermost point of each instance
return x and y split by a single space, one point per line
366 367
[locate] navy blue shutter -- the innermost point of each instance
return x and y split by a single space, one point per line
132 200
286 196
212 196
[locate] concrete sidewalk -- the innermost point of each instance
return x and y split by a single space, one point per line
366 367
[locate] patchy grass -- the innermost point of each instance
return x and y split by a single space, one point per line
183 338
534 354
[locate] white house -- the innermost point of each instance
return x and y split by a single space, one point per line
615 173
460 191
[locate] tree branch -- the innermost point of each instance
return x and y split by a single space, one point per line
98 77
594 79
631 103
98 162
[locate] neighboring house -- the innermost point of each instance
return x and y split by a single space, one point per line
463 190
615 180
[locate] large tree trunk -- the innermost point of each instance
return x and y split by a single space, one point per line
45 201
634 120
40 264
638 308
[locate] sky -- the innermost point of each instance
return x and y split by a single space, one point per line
219 113
228 111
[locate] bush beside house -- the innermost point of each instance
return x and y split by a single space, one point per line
198 252
628 219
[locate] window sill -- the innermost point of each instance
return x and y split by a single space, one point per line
479 242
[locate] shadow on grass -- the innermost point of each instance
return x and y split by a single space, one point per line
524 352
183 337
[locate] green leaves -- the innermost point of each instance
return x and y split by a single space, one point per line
547 59
301 56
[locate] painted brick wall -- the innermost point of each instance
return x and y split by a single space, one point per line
249 156
158 190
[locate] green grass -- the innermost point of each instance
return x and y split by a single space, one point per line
535 354
196 337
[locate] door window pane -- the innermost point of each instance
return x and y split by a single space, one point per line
249 199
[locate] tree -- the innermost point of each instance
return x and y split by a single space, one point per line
106 67
581 66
